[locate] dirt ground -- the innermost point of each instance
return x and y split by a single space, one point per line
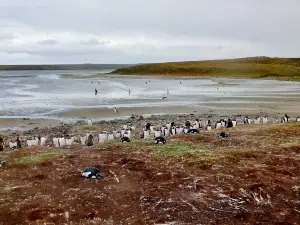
251 177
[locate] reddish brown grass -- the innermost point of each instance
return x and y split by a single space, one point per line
242 181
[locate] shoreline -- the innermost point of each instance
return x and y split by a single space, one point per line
205 76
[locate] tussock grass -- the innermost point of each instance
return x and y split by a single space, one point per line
253 67
39 158
247 178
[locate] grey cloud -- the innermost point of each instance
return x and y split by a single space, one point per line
95 41
49 42
133 31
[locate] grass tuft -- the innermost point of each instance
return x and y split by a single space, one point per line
39 158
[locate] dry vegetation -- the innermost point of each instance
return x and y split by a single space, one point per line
252 177
255 67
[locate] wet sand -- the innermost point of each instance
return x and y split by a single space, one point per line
226 106
217 109
18 124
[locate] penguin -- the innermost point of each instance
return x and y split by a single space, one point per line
147 126
208 123
1 144
115 109
125 139
223 134
160 140
286 118
192 131
19 143
229 124
90 140
218 125
246 121
2 163
91 172
188 124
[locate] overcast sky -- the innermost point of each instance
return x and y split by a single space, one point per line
136 31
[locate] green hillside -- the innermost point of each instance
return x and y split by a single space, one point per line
254 67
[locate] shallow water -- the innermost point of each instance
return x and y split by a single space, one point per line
48 94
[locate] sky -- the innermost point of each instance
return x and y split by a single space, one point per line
144 31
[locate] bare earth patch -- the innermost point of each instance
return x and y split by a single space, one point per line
252 177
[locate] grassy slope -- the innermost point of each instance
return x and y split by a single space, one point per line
250 178
255 67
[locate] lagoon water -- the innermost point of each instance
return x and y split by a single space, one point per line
55 94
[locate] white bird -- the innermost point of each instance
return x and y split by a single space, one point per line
115 109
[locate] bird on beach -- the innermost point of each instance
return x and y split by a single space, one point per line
164 97
115 109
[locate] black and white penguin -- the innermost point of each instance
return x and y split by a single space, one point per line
223 134
116 111
1 144
246 121
91 172
147 126
192 131
234 123
90 140
286 117
125 139
298 119
188 124
19 142
229 123
208 123
160 140
218 125
173 130
2 163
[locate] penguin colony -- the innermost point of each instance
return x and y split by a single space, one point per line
124 134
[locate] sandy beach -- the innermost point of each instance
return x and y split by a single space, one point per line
48 98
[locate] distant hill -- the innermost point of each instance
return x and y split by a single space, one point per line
254 67
64 67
